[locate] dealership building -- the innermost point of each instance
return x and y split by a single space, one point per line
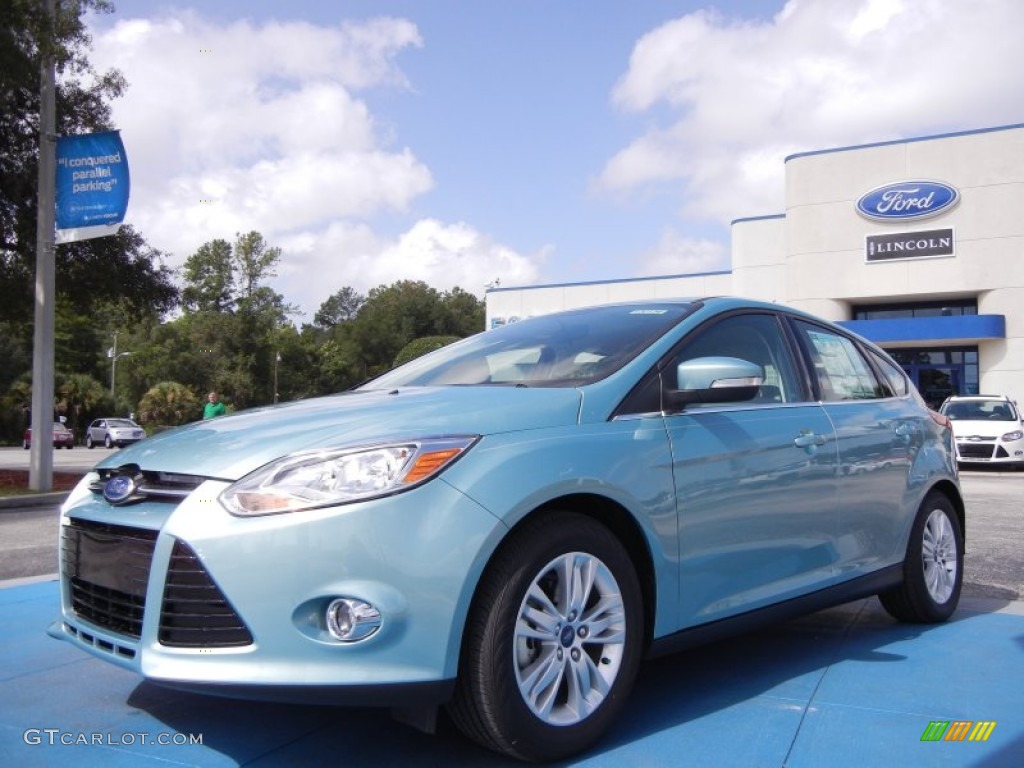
917 245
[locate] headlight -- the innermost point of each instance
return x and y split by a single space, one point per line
326 478
1011 436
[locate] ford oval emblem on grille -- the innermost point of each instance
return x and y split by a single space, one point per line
907 200
119 489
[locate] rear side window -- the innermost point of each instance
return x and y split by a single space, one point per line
893 374
839 367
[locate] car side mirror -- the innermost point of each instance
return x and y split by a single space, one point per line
714 380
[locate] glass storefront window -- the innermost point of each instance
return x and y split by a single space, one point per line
956 308
939 373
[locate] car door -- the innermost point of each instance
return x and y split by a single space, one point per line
878 427
755 481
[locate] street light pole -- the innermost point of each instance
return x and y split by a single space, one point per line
40 475
113 354
277 360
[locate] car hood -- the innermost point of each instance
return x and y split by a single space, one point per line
230 447
967 428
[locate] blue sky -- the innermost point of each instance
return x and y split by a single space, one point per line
460 141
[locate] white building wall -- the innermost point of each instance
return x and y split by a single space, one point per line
759 259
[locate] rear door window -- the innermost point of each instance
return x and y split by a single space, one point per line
841 371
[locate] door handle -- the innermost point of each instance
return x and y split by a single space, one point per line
808 439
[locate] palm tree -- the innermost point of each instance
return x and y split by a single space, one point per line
79 398
169 403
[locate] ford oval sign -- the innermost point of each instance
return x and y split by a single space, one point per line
907 200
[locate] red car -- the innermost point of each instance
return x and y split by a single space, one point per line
62 437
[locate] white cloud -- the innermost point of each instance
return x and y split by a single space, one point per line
239 127
442 255
676 254
732 98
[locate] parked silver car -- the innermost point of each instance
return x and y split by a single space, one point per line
111 432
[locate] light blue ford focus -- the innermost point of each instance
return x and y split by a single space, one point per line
506 527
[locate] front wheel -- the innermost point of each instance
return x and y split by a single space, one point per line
88 442
553 642
108 442
933 570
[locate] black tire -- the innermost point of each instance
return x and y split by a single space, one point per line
509 648
89 443
108 442
933 570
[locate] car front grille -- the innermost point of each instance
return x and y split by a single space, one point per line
975 450
107 568
195 613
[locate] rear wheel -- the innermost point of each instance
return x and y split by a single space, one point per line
553 641
933 570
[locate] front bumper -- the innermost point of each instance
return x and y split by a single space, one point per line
416 556
990 451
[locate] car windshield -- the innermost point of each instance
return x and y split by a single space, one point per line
120 423
559 350
980 410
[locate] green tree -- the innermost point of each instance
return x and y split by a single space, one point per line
465 313
254 262
392 317
421 346
232 330
169 403
209 282
341 307
80 399
91 275
89 270
407 310
82 98
15 406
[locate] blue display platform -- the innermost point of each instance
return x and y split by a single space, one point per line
844 687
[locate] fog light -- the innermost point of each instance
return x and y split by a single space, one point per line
350 620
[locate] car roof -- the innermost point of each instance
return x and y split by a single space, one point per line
958 398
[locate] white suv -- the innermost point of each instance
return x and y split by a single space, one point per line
987 429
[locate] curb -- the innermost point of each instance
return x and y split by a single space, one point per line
21 501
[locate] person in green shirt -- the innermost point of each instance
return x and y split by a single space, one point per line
214 407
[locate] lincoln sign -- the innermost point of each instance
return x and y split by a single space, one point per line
910 245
